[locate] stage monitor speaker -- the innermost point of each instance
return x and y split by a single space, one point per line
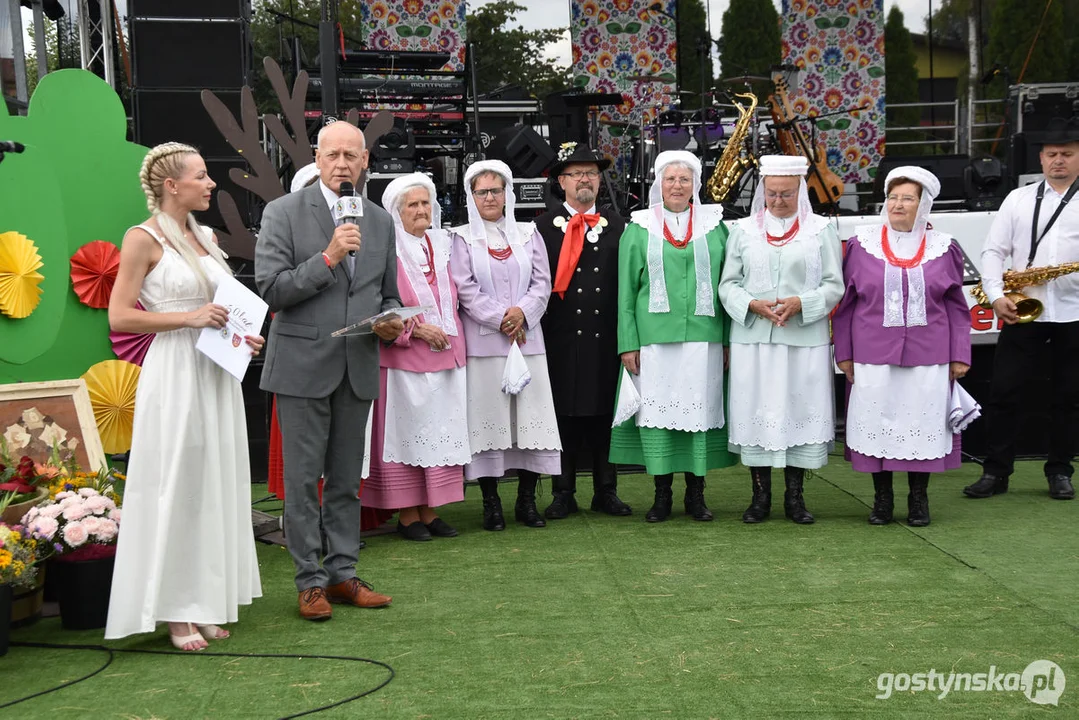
949 169
192 9
178 115
193 55
522 148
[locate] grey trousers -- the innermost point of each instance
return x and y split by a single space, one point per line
323 437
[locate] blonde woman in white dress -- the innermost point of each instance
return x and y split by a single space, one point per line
186 551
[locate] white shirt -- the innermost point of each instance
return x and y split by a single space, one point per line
572 212
496 235
1008 245
778 226
677 222
329 195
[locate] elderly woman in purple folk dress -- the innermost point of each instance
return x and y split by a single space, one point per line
503 276
902 337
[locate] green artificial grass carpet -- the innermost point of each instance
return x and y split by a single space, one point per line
601 617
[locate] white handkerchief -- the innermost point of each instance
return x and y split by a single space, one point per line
629 400
962 409
516 376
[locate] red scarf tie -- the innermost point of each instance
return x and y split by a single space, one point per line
572 244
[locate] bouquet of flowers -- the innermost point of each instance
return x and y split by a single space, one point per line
80 525
18 555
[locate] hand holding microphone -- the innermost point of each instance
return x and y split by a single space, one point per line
347 211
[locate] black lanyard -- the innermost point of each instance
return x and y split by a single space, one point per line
1036 239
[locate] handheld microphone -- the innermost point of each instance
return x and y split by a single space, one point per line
348 208
11 147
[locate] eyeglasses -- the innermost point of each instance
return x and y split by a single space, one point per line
493 192
578 174
788 195
902 200
677 181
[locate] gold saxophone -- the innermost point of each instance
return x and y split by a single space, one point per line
1015 280
732 165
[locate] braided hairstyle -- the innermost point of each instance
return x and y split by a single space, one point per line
167 161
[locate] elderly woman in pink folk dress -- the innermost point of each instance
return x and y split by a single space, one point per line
503 276
420 435
902 337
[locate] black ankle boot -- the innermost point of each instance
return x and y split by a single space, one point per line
563 501
883 499
525 510
760 507
605 493
492 505
918 499
794 505
694 501
661 508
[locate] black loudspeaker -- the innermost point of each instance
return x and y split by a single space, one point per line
178 115
565 122
522 148
193 55
192 9
949 169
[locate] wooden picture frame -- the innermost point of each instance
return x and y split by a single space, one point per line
36 416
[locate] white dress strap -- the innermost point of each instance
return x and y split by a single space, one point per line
153 234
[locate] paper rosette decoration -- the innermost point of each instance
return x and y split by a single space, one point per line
112 384
131 347
19 278
93 272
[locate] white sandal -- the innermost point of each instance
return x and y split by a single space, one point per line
179 641
213 632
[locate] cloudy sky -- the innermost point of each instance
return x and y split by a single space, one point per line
542 14
552 14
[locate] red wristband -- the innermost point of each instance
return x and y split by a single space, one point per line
327 259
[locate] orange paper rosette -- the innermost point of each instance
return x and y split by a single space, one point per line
93 272
20 290
112 385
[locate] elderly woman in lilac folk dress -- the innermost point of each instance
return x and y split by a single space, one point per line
503 276
419 442
902 337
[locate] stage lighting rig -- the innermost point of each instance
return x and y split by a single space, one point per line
395 150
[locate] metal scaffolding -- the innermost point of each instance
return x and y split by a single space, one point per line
96 39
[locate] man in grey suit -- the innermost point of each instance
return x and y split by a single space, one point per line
318 279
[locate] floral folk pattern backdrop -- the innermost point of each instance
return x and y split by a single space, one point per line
839 46
614 40
428 25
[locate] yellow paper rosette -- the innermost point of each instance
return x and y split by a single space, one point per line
19 279
112 384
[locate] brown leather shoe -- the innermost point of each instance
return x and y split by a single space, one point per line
313 604
356 592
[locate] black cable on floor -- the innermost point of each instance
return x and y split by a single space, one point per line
111 652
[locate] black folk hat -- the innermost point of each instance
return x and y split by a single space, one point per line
1059 131
575 152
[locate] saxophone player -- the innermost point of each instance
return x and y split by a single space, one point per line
1037 225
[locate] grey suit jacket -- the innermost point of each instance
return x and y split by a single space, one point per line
310 301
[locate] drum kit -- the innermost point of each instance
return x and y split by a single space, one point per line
672 127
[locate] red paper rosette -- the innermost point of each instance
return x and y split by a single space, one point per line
93 272
131 346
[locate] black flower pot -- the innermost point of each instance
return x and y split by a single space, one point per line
83 588
5 617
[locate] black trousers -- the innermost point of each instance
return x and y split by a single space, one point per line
594 433
1023 351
